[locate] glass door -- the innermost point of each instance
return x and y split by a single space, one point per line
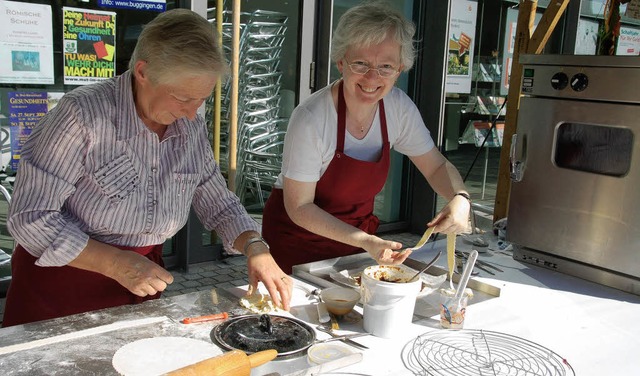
42 66
268 88
390 205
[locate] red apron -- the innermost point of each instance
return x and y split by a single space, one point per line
39 293
346 190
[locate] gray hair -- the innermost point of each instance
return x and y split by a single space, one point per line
178 41
369 24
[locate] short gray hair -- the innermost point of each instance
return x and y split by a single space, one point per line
178 41
370 23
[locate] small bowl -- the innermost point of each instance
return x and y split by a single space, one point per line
340 300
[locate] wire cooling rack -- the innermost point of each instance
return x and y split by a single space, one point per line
480 353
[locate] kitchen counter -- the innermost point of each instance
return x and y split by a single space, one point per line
592 326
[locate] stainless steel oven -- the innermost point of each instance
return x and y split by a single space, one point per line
575 168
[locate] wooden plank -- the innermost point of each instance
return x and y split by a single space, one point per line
524 27
233 117
525 43
218 93
546 25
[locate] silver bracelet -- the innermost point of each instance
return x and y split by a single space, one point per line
252 240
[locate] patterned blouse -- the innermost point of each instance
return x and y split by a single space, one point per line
92 169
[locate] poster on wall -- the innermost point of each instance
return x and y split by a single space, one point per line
586 37
25 111
633 9
89 45
509 42
150 5
26 42
628 42
462 33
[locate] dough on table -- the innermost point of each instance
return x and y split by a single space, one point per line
259 303
159 355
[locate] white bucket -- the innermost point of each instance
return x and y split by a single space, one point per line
388 306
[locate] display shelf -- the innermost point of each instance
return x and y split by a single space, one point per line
486 70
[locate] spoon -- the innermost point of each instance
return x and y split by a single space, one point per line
427 266
453 305
323 314
466 273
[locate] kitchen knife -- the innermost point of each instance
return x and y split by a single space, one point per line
328 366
347 340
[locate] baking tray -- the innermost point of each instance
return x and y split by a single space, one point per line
319 274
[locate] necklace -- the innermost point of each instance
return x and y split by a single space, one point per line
367 120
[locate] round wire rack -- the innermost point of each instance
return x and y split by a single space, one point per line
480 352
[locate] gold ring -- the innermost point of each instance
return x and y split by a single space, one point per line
283 279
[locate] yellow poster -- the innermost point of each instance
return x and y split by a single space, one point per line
89 45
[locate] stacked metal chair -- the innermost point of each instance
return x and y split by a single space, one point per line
260 131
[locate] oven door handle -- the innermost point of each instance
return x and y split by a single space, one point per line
516 167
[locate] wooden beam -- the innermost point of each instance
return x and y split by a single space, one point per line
233 117
217 104
546 25
525 43
524 27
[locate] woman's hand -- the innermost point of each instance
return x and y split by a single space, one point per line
140 275
453 218
263 268
385 252
133 271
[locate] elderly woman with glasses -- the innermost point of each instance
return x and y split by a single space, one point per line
336 155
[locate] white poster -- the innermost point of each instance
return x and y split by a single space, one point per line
510 41
26 42
628 42
586 37
462 33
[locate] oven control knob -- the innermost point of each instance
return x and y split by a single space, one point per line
579 82
559 81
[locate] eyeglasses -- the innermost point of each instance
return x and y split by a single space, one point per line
361 68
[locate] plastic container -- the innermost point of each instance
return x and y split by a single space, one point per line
388 299
452 315
325 352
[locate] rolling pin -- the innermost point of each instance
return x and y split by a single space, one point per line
232 363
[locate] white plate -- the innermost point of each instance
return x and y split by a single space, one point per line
347 278
159 355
